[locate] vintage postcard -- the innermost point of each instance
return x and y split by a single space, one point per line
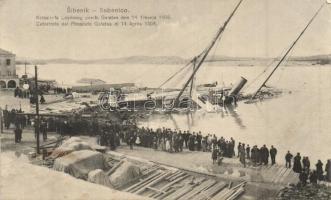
165 99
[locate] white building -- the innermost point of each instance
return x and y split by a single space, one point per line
8 77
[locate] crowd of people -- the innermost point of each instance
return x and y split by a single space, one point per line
113 134
302 166
23 94
43 89
256 156
169 140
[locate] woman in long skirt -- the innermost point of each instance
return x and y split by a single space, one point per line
168 147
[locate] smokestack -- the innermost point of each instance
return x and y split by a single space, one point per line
238 86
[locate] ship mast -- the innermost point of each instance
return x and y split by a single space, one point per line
288 51
206 52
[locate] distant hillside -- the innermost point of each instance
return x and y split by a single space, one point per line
124 60
317 59
160 60
251 61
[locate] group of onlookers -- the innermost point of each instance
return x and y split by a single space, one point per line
302 166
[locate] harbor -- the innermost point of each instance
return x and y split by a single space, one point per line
205 119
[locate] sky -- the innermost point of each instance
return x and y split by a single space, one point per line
260 28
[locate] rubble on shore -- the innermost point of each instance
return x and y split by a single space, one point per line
311 191
19 179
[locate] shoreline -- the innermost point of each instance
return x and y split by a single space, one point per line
187 161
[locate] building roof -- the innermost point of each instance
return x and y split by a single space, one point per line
4 52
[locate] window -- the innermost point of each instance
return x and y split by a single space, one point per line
7 62
9 73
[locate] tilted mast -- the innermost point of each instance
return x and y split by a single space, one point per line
289 50
219 33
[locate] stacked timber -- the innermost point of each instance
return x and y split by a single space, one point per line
231 193
164 184
212 191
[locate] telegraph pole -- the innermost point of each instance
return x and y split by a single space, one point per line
37 108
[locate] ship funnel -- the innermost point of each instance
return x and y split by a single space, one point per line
237 87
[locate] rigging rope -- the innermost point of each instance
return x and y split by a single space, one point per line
260 74
174 74
268 66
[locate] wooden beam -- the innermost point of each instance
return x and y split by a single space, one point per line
142 182
203 186
114 167
157 180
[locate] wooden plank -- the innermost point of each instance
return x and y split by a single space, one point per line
228 192
226 195
167 186
236 194
152 183
182 191
239 185
230 185
114 168
155 189
145 173
149 170
285 177
141 182
177 176
221 194
203 186
207 194
162 196
175 181
276 175
280 176
213 191
54 142
174 174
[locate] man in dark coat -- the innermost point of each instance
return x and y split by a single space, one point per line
42 99
313 177
319 170
6 118
297 167
265 154
306 163
199 139
185 137
214 155
254 154
327 166
233 143
238 149
248 150
273 153
258 156
131 141
288 159
18 134
303 177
